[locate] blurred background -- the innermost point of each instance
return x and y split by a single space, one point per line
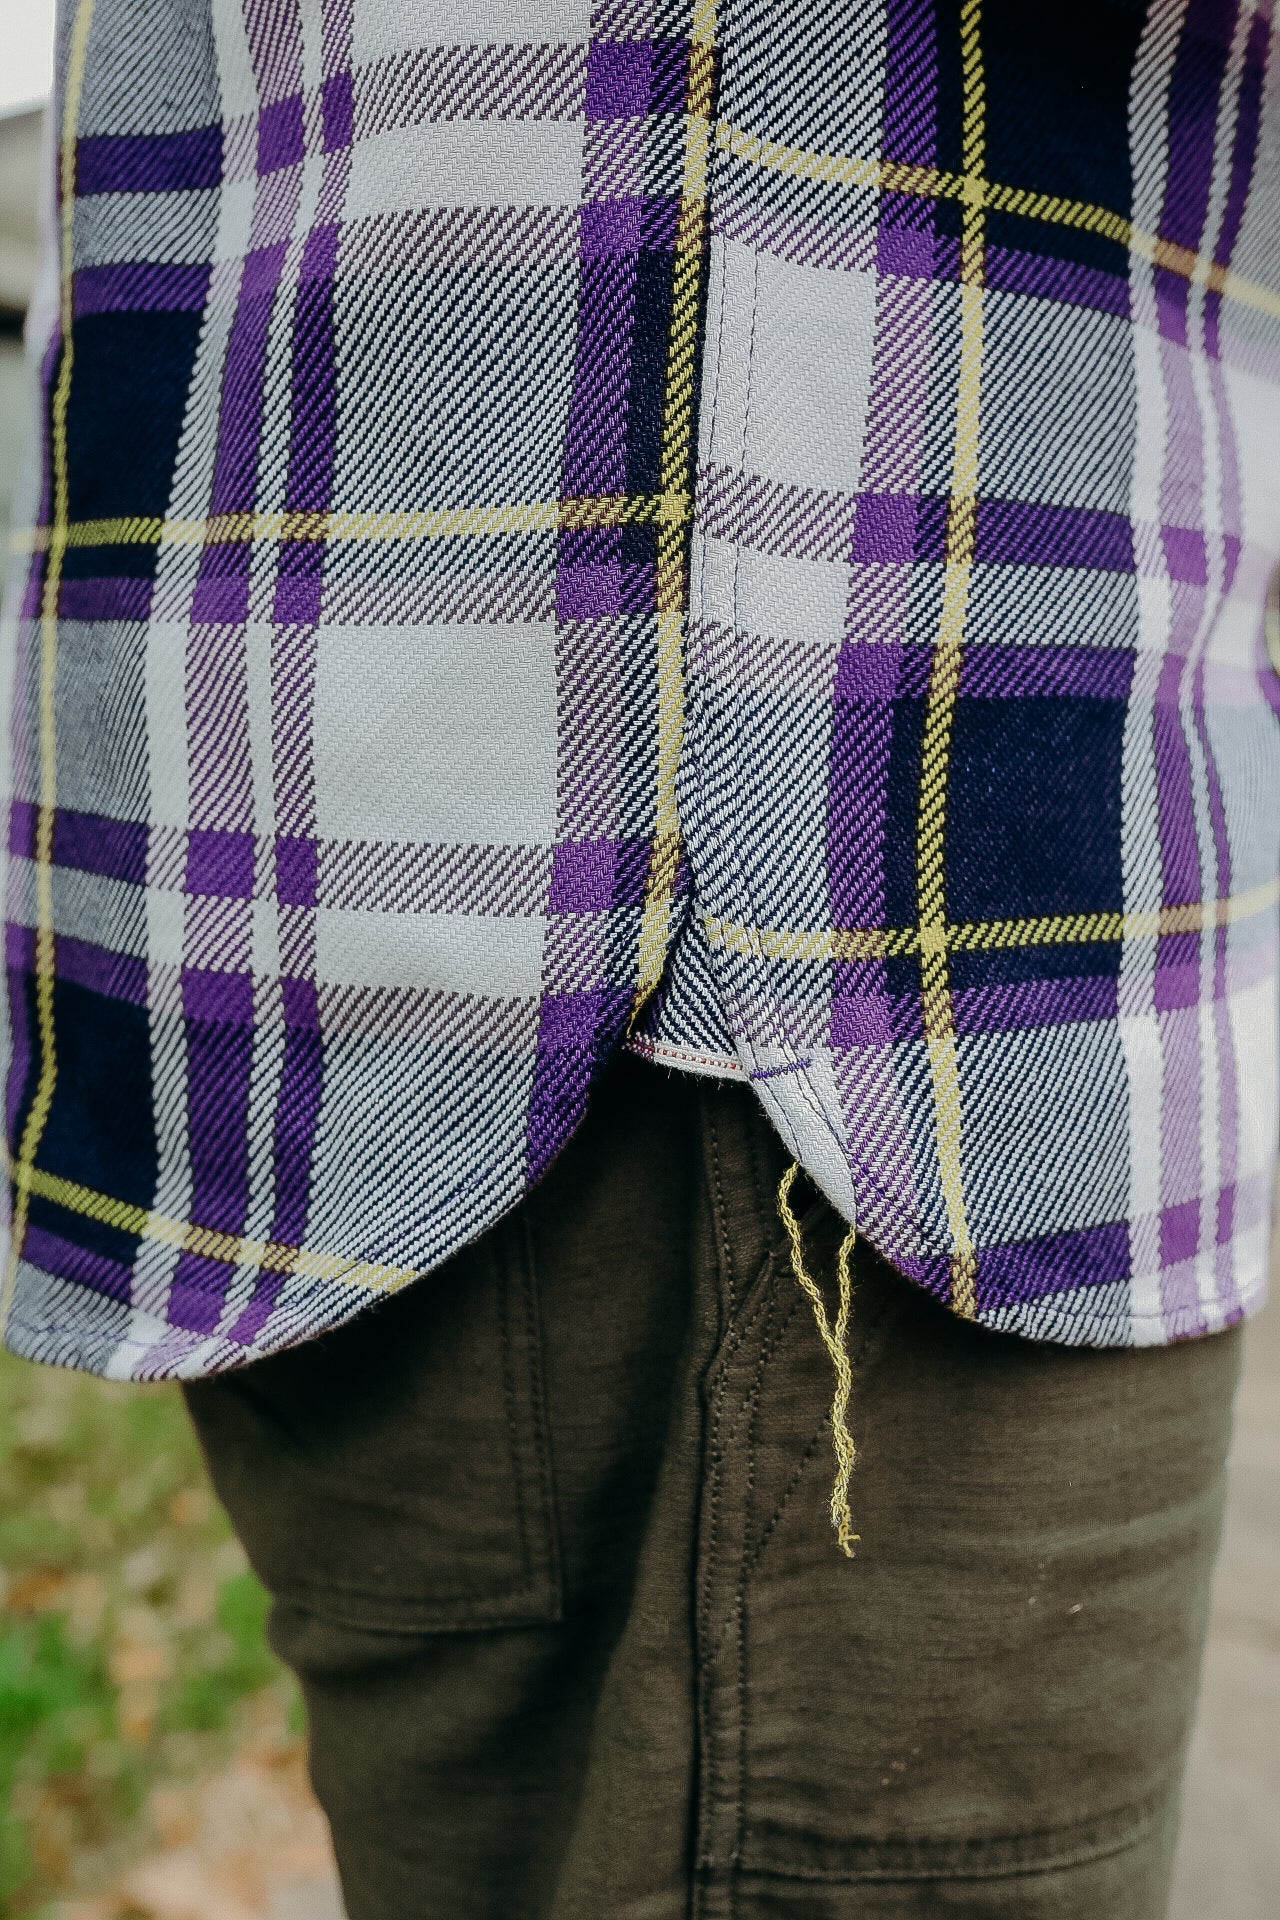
151 1753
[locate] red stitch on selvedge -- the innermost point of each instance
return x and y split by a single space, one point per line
656 1049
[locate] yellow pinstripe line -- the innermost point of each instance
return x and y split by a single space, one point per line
1057 211
980 936
671 507
944 678
933 183
677 422
1084 928
1205 273
836 169
38 1116
235 1249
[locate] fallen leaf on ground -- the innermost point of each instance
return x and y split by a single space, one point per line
37 1591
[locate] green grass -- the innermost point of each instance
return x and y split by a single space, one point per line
130 1627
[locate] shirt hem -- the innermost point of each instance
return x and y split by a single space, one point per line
710 1066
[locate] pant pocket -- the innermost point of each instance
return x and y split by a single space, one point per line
394 1476
1002 1679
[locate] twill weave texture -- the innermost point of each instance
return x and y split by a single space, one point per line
740 532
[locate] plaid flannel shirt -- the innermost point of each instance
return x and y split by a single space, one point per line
741 531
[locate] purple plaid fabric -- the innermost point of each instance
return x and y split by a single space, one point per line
743 533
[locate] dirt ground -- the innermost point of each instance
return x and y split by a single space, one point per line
247 1843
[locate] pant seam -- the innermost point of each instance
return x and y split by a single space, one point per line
540 1421
740 1785
777 1259
509 1398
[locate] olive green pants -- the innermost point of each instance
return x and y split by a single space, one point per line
549 1547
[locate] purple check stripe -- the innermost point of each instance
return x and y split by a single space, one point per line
356 875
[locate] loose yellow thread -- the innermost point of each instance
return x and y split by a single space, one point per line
836 1341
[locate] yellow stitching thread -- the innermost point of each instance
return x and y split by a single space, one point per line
677 421
933 183
944 678
836 1341
46 812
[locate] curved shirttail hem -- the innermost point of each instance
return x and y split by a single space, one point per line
93 1348
1062 1317
219 1351
78 1346
1070 1327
